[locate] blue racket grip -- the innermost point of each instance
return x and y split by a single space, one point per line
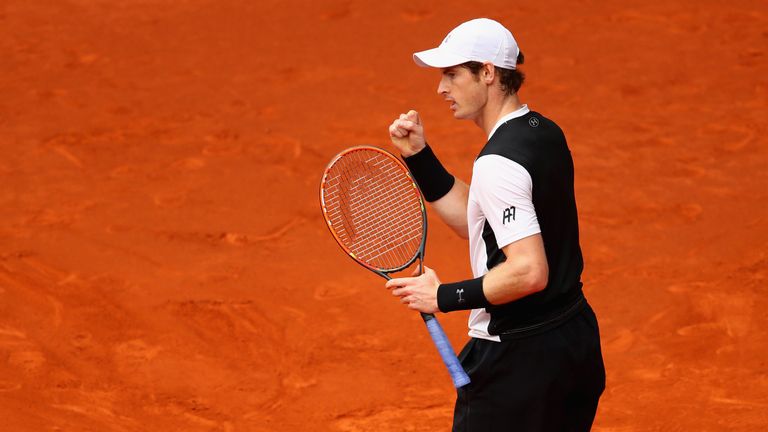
459 377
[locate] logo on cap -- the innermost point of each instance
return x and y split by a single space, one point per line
533 122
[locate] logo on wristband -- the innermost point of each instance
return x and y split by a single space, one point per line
460 292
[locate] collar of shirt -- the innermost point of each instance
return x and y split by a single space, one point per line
523 110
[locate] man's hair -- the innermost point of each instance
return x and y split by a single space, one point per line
510 79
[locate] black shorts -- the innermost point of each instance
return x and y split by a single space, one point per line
545 382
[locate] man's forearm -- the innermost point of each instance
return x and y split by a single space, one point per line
514 280
523 273
452 208
446 194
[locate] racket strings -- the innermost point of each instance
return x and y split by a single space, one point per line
374 209
367 214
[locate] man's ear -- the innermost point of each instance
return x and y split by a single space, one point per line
488 73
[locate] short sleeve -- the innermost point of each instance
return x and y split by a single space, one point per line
504 191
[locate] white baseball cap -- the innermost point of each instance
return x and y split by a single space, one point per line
481 40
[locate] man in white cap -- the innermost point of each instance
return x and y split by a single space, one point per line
534 355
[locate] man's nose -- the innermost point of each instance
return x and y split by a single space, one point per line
442 87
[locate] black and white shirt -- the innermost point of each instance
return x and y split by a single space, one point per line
522 185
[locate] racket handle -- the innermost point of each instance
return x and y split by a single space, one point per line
458 375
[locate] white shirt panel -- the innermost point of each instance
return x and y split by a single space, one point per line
501 192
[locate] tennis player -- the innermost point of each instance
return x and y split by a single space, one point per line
534 354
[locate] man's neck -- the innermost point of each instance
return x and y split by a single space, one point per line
495 109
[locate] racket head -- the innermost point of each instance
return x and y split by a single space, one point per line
374 209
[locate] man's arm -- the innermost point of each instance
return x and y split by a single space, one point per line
407 135
525 272
507 205
452 208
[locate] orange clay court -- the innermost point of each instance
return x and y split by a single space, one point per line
164 265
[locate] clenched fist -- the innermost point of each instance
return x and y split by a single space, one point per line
407 134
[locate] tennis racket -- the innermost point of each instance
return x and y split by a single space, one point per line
376 213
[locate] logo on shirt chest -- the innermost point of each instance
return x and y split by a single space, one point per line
509 215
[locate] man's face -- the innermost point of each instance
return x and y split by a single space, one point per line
466 93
